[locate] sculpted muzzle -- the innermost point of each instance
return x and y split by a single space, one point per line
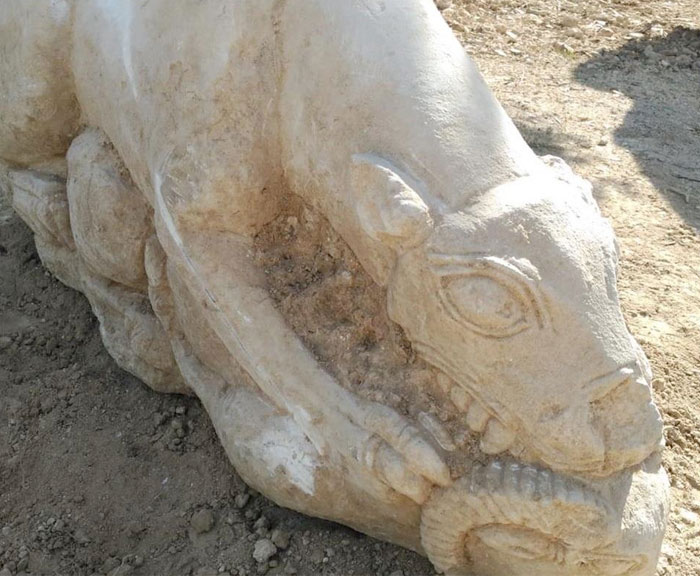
516 302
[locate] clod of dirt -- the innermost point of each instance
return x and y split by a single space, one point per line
264 550
280 538
241 500
202 521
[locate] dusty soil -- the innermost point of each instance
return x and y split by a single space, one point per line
100 475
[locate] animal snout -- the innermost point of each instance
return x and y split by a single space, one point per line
631 376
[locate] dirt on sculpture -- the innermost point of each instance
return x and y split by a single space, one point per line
96 470
340 313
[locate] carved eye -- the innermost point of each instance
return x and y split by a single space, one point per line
487 295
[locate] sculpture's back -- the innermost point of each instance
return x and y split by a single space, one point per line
522 439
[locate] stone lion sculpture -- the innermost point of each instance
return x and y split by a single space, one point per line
148 145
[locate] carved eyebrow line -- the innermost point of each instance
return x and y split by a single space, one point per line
481 260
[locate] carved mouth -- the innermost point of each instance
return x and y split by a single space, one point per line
497 437
498 434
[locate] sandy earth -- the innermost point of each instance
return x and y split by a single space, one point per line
100 475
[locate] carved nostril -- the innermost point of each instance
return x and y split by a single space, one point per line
605 385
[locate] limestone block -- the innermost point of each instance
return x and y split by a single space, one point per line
397 316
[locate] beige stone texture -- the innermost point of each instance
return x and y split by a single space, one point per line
527 441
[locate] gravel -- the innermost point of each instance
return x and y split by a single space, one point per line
264 550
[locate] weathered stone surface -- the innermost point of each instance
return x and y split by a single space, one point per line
523 438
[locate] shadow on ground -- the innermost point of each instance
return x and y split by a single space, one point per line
662 130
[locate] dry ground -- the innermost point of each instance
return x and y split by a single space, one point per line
98 472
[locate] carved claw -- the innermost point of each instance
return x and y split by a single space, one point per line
408 442
392 468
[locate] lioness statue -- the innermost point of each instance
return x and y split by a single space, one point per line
150 145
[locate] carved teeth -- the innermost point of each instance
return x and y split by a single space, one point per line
477 417
445 383
496 438
460 398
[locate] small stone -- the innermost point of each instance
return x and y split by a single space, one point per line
264 550
443 4
261 526
568 20
5 342
134 528
202 521
682 61
22 564
316 557
110 564
80 537
5 572
181 410
565 48
241 500
688 517
280 538
667 550
603 141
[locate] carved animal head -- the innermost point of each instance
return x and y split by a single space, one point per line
514 297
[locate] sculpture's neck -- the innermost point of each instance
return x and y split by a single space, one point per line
392 82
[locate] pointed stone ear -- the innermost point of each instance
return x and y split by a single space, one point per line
388 209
